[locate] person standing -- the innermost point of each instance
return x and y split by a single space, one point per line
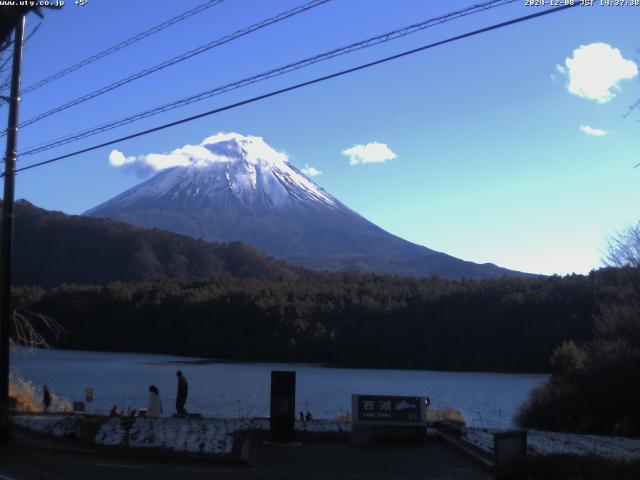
46 398
181 398
154 409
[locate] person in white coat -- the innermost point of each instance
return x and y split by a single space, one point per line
154 410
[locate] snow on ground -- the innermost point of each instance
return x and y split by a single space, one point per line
197 435
111 433
62 425
214 436
546 443
211 436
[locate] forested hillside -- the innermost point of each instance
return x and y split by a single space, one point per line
509 324
51 248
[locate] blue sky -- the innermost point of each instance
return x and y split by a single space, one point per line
490 161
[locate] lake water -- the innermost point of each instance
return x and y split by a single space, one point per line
239 389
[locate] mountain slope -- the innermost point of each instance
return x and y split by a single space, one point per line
51 248
236 188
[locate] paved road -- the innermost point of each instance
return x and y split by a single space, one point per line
323 459
312 460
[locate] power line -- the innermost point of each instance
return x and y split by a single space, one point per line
121 45
177 59
383 38
632 108
7 82
5 62
300 85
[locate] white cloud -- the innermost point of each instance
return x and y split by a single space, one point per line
594 132
310 171
160 161
561 69
595 70
373 152
117 159
222 147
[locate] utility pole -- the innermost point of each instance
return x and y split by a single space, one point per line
7 231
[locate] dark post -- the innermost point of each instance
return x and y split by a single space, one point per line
283 405
7 231
511 455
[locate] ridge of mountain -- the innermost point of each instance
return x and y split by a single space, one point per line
51 248
238 188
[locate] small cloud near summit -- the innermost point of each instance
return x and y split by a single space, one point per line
373 152
117 159
310 171
218 148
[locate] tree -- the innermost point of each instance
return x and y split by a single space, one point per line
34 330
623 248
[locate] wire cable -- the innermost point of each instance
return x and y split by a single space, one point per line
300 85
175 60
125 43
383 38
3 68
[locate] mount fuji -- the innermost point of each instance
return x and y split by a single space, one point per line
237 188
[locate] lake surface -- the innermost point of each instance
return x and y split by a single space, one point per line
220 389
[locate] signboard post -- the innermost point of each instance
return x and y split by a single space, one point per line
283 404
389 410
88 396
399 419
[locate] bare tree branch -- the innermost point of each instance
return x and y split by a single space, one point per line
33 329
623 248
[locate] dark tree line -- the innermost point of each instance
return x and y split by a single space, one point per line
508 324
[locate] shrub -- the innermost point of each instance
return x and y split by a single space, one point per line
26 399
593 387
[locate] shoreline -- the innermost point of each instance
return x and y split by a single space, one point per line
197 360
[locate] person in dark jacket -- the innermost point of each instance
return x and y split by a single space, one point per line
46 398
181 398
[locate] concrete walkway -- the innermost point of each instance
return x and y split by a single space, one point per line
311 458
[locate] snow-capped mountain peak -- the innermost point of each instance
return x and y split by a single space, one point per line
232 166
233 187
230 147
